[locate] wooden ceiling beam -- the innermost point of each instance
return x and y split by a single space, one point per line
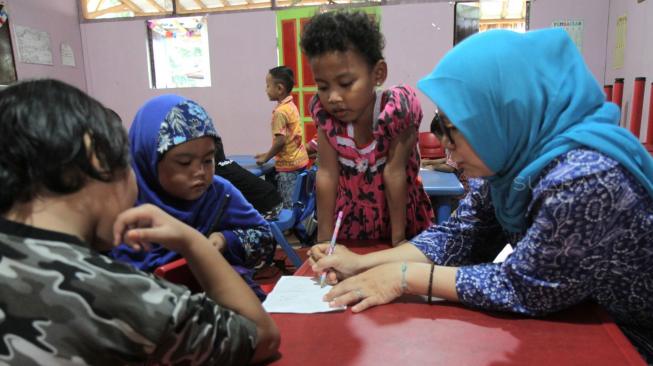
85 9
99 3
248 6
113 9
504 9
157 5
133 7
199 3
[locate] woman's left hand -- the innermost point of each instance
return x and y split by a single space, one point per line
377 286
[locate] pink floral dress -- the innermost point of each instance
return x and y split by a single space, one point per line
361 194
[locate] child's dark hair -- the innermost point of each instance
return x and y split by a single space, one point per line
283 75
43 128
343 31
439 128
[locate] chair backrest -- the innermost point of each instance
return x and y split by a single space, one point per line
305 205
430 146
428 139
299 191
307 195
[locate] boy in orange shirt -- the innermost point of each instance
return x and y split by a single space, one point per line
287 146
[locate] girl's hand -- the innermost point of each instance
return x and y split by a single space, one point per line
341 264
140 226
218 241
438 165
427 163
377 286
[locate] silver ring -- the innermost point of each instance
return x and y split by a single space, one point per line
359 294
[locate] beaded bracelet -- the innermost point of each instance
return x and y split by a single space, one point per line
404 284
430 290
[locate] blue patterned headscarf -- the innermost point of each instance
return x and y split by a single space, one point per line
521 100
161 124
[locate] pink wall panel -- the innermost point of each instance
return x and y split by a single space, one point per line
593 13
58 18
417 36
414 47
241 55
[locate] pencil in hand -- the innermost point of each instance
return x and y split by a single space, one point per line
332 246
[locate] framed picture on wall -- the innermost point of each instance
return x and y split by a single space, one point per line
7 62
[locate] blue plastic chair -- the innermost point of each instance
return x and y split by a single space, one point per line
306 227
288 218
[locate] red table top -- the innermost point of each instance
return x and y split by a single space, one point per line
414 333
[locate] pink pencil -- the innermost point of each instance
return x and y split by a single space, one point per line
332 246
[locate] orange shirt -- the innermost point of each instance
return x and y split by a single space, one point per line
286 122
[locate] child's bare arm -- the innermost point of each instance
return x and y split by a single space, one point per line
146 224
277 146
438 164
394 178
326 186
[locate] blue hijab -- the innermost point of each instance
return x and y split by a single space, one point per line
521 100
161 124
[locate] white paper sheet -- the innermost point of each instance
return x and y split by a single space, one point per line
298 294
67 55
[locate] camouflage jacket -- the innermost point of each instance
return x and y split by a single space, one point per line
63 303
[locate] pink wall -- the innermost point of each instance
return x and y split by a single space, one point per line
593 13
638 59
111 57
414 47
58 18
243 47
241 54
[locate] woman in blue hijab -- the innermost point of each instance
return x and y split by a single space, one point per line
172 140
557 178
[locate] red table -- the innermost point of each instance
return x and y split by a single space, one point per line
448 334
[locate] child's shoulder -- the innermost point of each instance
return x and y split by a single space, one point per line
286 105
399 109
400 92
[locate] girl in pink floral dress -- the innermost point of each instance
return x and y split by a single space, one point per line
367 139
